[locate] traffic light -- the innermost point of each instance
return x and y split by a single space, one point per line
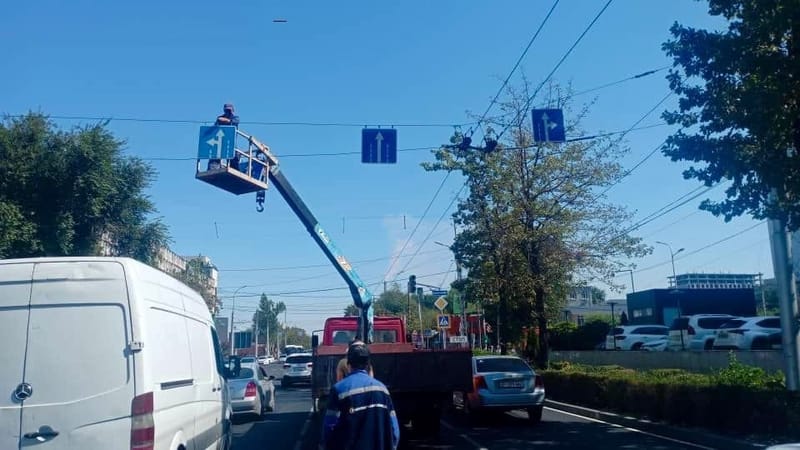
412 284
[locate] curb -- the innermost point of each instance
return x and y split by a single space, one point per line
694 436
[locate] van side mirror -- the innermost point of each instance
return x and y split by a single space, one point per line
314 341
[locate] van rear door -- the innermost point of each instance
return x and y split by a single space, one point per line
78 364
15 294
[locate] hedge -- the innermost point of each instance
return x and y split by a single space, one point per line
736 399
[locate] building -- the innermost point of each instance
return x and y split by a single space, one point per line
578 314
714 281
579 296
661 306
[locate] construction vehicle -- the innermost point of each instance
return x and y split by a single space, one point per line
421 381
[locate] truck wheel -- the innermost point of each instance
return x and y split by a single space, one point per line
428 423
535 415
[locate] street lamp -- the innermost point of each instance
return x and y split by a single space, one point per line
672 258
633 289
233 309
675 280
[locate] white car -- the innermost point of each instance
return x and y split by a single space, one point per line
266 360
659 345
142 366
633 337
297 369
748 333
696 332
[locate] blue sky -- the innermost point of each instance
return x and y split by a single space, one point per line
412 62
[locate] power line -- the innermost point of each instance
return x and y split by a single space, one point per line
438 221
519 61
419 222
561 61
314 266
705 247
248 122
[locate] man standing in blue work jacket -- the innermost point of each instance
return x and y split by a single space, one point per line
360 414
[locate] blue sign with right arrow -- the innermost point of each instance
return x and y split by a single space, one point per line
548 125
379 146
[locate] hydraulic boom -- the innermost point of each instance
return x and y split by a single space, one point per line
257 152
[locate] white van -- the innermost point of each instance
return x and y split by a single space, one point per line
107 353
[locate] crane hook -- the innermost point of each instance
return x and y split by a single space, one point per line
260 197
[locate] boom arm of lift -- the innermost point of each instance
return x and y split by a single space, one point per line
362 297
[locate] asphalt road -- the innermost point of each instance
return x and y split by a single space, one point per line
292 427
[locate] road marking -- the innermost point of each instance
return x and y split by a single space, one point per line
299 444
634 430
464 436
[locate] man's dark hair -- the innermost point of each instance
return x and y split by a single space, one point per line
358 356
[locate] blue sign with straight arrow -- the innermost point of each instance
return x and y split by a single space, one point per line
548 125
379 146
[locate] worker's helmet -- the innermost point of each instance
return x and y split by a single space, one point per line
228 107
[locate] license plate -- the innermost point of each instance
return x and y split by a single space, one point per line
297 369
510 384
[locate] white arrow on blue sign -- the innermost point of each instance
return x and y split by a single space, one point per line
548 125
379 146
216 142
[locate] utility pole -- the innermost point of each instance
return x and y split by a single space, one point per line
267 349
256 352
233 309
675 281
787 294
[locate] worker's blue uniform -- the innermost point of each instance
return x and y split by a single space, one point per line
360 415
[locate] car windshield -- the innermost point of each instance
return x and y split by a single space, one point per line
712 323
484 365
298 359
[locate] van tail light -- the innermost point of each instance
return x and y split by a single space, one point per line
479 382
309 365
143 428
250 390
691 331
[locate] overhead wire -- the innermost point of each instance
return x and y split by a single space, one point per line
552 72
519 61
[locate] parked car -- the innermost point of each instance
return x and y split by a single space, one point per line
697 331
747 333
658 345
282 357
142 366
633 337
297 369
266 360
248 359
503 383
251 390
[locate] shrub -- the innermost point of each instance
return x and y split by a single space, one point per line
736 398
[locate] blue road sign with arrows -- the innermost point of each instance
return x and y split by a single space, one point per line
439 292
379 146
216 142
443 320
548 125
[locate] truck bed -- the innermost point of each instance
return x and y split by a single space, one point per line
401 368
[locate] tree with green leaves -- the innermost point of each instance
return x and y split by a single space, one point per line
739 108
71 193
196 276
532 222
267 318
395 302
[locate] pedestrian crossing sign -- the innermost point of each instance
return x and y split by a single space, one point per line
444 320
